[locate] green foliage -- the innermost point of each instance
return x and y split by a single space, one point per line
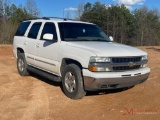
142 27
147 26
1 8
95 13
11 16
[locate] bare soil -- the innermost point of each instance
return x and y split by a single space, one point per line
36 98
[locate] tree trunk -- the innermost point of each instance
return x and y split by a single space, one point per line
142 38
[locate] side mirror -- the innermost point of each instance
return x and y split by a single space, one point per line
48 36
111 38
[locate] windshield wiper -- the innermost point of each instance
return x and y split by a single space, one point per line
74 40
101 40
79 40
83 39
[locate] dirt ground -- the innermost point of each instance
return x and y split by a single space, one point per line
36 98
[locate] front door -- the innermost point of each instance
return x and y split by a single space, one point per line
46 50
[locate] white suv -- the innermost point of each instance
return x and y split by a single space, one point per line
78 54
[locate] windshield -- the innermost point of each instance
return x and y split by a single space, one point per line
81 32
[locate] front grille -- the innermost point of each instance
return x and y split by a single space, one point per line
124 68
126 59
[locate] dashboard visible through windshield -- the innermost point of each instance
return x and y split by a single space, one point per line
81 32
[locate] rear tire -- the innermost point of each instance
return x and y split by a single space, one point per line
22 65
72 82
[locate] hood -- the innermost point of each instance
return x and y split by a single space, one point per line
108 49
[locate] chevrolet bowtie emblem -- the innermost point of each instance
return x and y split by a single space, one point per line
131 64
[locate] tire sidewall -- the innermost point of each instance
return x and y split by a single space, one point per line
24 72
78 79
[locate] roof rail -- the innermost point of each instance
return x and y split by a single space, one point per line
49 18
35 18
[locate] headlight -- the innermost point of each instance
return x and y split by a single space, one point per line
100 59
144 57
95 68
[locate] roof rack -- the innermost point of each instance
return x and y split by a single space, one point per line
49 18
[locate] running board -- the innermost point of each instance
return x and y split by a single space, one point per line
44 74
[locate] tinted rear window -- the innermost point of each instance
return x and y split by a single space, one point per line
34 30
22 28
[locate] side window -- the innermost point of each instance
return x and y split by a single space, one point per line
34 30
49 28
22 28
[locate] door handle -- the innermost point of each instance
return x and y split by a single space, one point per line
37 45
25 43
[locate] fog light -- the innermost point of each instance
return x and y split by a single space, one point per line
144 65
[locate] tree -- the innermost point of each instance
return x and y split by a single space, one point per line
87 7
116 21
79 11
1 8
13 9
147 26
68 15
141 27
32 9
12 15
95 13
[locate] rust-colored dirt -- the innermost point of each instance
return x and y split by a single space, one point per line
36 98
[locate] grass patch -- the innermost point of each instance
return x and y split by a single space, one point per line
5 45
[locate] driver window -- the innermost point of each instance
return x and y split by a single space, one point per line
49 28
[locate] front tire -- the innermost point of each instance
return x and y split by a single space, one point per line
22 65
72 82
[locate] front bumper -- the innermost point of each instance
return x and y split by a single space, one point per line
92 83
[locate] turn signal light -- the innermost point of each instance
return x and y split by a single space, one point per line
92 68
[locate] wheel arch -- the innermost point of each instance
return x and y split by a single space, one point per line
19 50
67 61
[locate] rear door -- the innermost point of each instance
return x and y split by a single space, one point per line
46 50
20 38
30 43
